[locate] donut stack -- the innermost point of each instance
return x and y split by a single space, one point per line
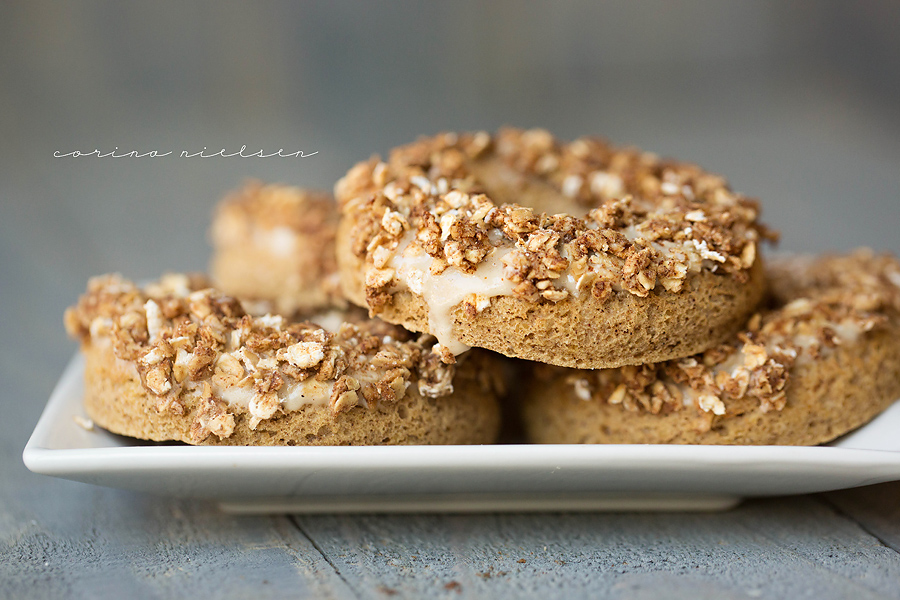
633 285
271 354
628 292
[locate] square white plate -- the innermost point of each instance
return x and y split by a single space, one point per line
454 478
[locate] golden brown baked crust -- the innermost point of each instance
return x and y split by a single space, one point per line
548 245
180 361
821 361
276 243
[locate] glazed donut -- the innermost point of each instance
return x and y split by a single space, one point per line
578 254
823 360
275 243
180 361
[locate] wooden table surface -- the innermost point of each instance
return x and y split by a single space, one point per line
69 540
822 156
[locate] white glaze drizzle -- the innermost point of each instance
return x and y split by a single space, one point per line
444 291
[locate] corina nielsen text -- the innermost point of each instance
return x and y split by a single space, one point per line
223 153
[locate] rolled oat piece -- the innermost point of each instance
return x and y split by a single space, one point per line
275 243
574 254
179 360
820 361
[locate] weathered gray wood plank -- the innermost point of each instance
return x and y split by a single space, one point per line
67 540
794 547
876 508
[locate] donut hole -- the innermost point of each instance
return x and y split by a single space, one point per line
402 412
505 185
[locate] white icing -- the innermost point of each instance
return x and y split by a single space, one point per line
572 185
280 241
291 396
669 188
848 331
446 290
310 391
330 321
235 395
894 277
495 236
270 320
607 184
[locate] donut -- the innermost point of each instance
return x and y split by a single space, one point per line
821 360
574 254
275 243
178 360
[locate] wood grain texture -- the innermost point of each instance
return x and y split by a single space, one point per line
797 548
68 540
876 509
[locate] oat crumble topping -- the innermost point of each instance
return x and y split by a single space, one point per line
274 205
183 337
817 306
294 228
635 222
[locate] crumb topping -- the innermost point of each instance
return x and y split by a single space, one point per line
183 337
579 217
274 205
817 306
862 279
288 224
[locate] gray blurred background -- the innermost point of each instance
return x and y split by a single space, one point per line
797 103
